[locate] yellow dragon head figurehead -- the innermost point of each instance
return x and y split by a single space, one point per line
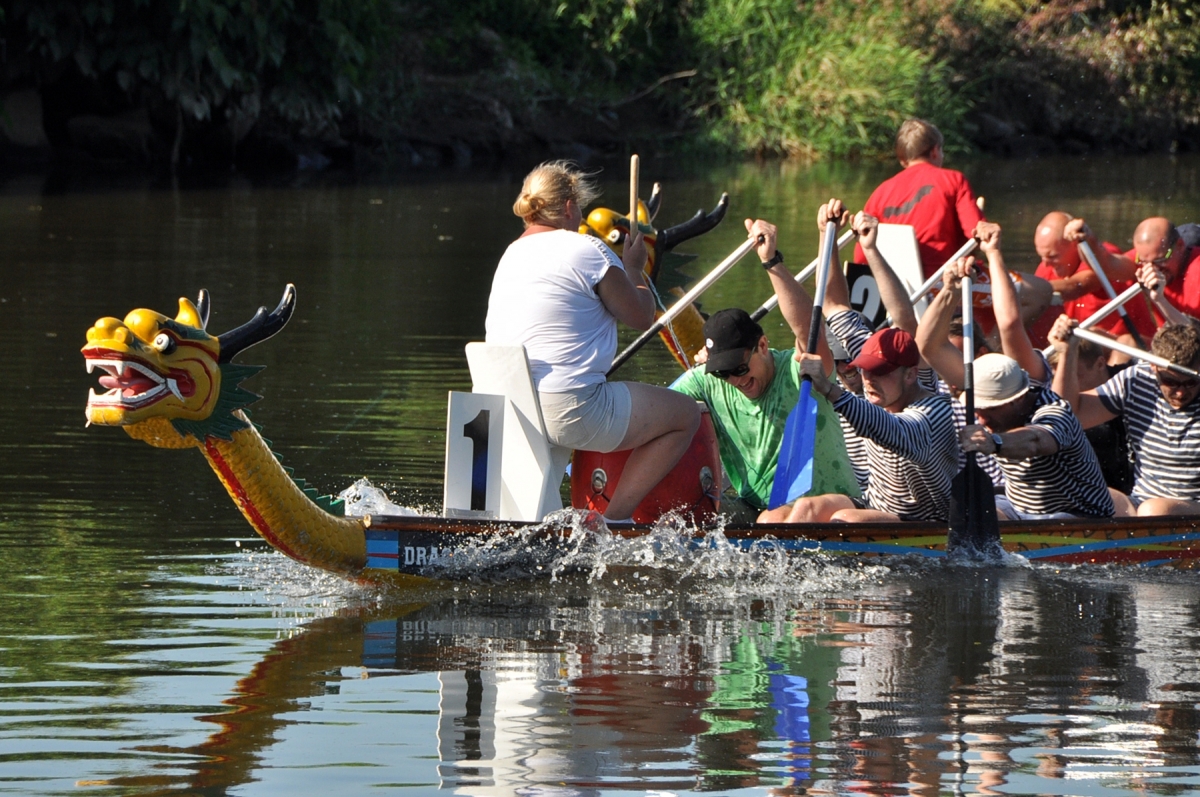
613 227
167 379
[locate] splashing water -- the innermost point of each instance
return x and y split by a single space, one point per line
364 498
675 553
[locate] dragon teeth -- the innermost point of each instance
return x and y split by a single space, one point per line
174 388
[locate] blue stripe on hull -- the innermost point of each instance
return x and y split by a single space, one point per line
1092 547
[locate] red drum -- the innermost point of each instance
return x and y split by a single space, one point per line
693 488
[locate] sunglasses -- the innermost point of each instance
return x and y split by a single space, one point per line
1157 262
733 373
1173 382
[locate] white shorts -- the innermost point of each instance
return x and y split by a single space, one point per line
1005 506
592 418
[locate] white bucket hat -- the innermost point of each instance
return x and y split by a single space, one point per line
998 380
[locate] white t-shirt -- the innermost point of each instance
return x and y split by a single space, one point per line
544 298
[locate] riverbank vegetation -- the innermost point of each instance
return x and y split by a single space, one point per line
369 83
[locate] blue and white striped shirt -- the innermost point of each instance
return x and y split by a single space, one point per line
1165 442
1069 480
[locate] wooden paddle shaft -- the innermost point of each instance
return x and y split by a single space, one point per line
683 302
805 273
634 167
1115 345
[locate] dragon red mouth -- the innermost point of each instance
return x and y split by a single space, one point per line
130 384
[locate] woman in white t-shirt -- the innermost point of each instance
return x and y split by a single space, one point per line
560 294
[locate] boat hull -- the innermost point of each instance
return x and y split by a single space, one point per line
408 550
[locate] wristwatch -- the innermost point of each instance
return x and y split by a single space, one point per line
998 442
775 260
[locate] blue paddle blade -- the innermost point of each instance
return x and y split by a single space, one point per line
794 472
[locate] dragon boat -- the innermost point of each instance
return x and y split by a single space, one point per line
169 382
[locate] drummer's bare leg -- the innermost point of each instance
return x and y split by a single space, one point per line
662 424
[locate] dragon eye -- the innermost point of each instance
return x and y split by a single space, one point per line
164 343
614 235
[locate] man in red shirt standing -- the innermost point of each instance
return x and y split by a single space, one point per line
1057 243
937 202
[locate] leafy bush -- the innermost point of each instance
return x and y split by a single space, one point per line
814 79
803 78
235 60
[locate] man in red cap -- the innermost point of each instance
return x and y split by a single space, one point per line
909 433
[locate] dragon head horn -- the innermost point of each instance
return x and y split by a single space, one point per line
259 328
654 202
203 305
696 225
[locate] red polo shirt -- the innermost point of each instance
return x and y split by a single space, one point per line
937 202
1084 305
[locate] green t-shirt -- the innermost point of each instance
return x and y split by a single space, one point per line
750 431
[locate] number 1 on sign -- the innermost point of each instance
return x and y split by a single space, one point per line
476 431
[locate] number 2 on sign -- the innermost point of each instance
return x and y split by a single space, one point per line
476 430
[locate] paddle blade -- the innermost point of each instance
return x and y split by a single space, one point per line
974 532
794 471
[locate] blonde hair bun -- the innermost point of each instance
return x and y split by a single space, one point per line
548 188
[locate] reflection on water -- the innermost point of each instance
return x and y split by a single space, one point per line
925 682
148 645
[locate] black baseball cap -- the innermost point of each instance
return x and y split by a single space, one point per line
728 335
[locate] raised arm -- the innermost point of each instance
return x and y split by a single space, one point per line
794 302
891 290
837 292
625 293
1115 266
1084 280
933 333
1006 306
1087 405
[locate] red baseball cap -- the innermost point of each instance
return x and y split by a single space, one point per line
887 350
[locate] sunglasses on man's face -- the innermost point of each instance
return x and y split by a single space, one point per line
733 373
1157 262
1172 382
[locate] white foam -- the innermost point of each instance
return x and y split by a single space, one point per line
364 498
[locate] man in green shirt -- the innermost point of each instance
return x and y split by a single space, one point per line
750 389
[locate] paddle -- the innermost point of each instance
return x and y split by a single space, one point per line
973 533
936 277
1085 249
685 300
634 167
1104 312
805 273
794 471
1153 359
